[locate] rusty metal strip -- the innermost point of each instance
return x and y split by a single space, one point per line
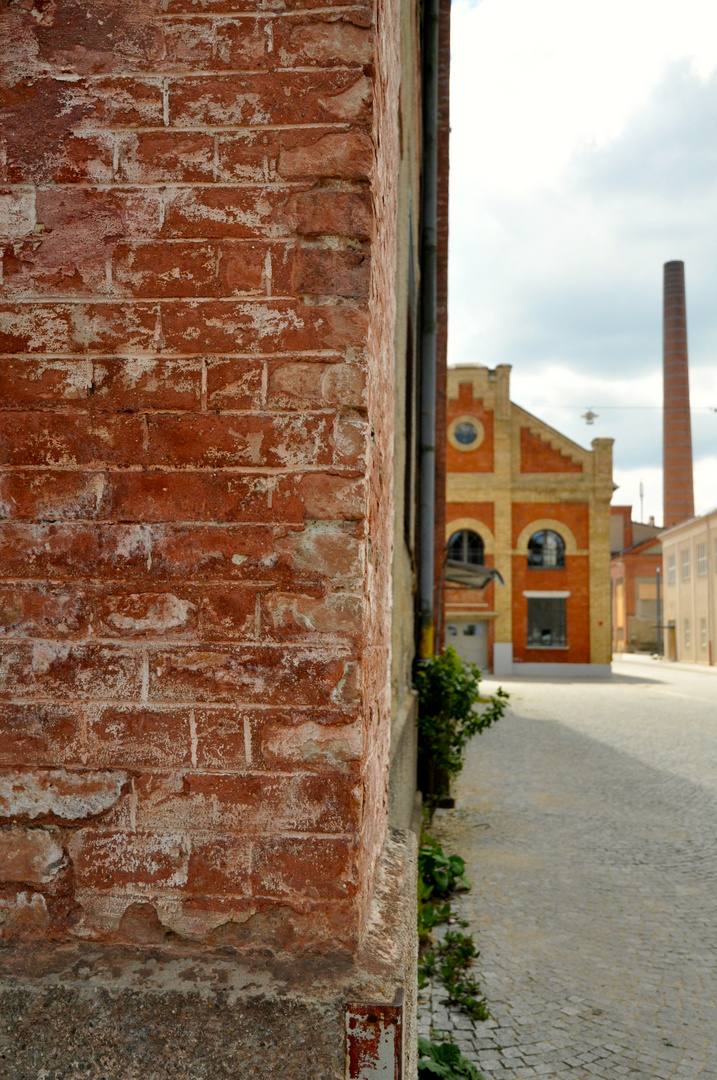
374 1040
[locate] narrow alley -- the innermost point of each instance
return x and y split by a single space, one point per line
588 821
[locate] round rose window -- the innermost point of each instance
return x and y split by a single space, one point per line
466 433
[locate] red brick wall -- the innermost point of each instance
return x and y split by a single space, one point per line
574 579
538 456
575 515
482 511
197 429
480 459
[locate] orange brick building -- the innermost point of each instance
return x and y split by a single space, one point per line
534 506
636 560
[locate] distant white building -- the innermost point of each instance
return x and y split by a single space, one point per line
689 561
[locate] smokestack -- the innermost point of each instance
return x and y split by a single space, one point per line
678 491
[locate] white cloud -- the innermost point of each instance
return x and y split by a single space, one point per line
583 157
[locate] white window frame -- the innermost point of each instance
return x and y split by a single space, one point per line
703 633
672 569
701 560
686 634
685 564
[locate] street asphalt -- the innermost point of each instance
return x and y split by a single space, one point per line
588 821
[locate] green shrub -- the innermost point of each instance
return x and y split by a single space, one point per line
439 874
444 1061
448 688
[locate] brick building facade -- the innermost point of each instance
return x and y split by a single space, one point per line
637 596
530 503
210 377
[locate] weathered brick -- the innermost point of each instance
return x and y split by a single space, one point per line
248 804
120 101
77 328
67 552
302 743
109 859
220 865
293 616
186 434
58 793
327 496
149 496
289 866
342 155
227 613
317 552
165 269
79 157
333 213
41 382
221 212
51 496
254 326
30 856
246 157
144 614
241 268
147 383
323 41
234 383
191 496
243 43
96 39
17 213
33 269
25 916
230 7
322 271
138 736
188 43
161 156
79 219
65 671
222 441
44 734
302 385
42 438
249 674
223 737
43 611
279 98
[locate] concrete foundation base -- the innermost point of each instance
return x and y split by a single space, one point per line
502 658
563 671
115 1013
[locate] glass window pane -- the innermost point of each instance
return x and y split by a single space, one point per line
546 621
547 549
466 546
465 433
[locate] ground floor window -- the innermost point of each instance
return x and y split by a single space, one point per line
546 622
688 641
703 633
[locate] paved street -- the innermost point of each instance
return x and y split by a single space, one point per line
588 820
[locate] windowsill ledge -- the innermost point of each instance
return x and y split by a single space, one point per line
546 648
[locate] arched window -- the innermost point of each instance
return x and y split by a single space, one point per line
547 549
466 547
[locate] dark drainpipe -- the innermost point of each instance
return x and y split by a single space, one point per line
429 251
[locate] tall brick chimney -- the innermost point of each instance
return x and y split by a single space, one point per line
678 489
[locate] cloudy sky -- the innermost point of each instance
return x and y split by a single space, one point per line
583 157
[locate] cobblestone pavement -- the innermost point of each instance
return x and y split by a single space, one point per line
588 821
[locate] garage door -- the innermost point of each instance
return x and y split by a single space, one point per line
470 640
